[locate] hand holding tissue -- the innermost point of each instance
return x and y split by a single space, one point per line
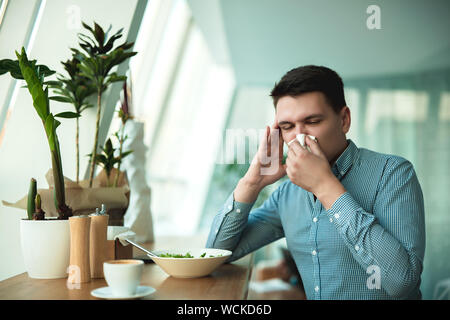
301 139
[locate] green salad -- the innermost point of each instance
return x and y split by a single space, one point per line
187 255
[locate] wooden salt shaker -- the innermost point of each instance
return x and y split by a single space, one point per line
98 237
79 248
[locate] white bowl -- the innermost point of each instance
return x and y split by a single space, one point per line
191 267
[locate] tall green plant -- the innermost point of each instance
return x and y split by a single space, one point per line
124 115
74 89
97 63
107 159
34 77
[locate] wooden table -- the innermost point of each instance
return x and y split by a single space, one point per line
228 282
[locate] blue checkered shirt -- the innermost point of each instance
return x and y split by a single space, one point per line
369 245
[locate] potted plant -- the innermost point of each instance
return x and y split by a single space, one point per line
90 74
91 71
45 245
108 160
97 64
74 89
45 242
124 115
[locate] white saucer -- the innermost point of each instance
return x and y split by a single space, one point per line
105 293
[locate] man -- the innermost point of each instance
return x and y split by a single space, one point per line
353 218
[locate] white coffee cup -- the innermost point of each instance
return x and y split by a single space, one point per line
123 276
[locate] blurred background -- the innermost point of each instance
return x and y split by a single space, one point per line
202 78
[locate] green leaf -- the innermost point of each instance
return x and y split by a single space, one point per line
40 101
100 158
50 129
99 34
87 26
124 154
87 43
68 115
53 83
44 71
108 149
88 69
126 45
109 45
47 101
63 92
56 125
86 106
115 78
61 99
8 65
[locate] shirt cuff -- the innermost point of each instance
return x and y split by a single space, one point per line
233 210
231 213
232 207
343 210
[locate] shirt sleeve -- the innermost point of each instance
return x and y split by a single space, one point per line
237 229
391 239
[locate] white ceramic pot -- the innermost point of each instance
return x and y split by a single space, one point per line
45 247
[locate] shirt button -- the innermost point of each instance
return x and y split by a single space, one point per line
238 210
331 220
315 219
356 247
316 289
314 252
342 172
337 216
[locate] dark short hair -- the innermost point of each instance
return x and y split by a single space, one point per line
309 79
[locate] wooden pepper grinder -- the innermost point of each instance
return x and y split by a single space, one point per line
98 237
79 248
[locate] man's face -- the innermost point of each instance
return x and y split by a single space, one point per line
310 113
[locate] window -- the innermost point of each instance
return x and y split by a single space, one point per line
183 97
444 107
399 105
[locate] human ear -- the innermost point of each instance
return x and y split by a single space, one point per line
345 119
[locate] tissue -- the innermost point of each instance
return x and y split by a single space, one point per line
301 139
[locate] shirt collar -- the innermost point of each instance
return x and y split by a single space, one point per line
346 159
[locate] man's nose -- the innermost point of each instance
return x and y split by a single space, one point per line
299 129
